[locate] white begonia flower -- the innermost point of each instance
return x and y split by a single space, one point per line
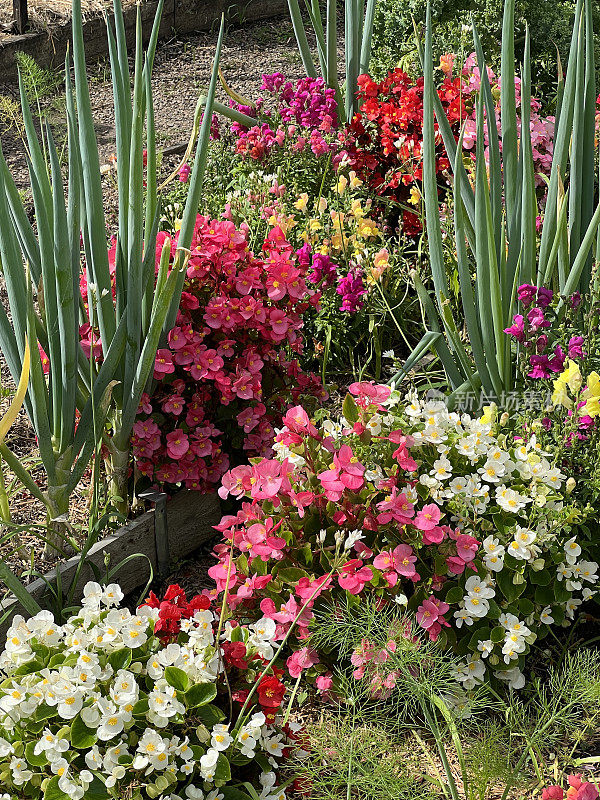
352 538
149 746
572 551
20 771
208 764
475 587
495 563
485 647
112 594
462 617
546 616
509 500
442 469
564 572
112 724
93 758
589 571
571 607
514 677
274 745
220 737
458 485
92 594
70 702
6 748
476 607
51 745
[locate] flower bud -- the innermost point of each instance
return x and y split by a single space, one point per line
570 485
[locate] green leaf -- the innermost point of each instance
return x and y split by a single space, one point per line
82 737
541 578
454 595
544 595
233 793
52 792
141 708
497 635
35 760
525 606
120 659
209 714
200 694
561 593
494 612
510 590
222 771
291 574
350 409
177 678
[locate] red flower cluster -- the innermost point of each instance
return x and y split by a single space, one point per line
172 609
388 135
239 317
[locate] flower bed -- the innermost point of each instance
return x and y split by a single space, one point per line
459 518
136 702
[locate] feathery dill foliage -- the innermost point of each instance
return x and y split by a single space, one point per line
418 668
359 748
350 760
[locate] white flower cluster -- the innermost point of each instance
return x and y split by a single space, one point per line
91 700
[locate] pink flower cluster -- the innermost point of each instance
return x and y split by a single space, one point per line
224 378
331 487
578 790
304 116
541 127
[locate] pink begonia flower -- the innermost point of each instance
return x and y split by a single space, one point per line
369 393
428 517
434 535
300 660
397 507
349 467
310 590
332 485
353 576
430 616
402 456
177 444
399 561
360 657
163 364
220 572
324 682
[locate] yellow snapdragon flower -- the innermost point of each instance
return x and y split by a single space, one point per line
302 202
591 395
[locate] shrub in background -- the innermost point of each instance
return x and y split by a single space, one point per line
550 23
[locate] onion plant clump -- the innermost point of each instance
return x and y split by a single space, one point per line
496 241
90 396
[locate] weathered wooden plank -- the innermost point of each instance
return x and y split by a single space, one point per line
20 15
190 520
179 16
